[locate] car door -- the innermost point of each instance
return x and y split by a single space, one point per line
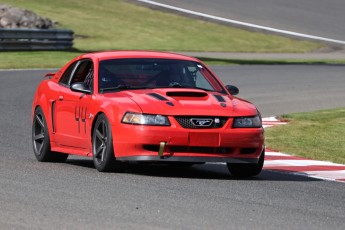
71 110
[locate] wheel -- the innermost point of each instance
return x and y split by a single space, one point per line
41 141
102 147
247 170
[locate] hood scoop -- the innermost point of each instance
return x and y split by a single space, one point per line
186 94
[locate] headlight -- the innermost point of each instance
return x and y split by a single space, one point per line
247 122
145 119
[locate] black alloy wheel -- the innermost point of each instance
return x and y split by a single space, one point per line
102 146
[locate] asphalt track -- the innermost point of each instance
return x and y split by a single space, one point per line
74 195
313 17
277 90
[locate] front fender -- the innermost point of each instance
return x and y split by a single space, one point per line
114 109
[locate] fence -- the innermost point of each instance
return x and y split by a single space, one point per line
35 39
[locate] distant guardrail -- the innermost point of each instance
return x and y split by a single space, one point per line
35 39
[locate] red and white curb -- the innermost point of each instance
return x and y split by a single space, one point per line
298 165
271 121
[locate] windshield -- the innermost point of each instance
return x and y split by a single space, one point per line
120 74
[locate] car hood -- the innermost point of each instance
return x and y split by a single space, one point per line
186 102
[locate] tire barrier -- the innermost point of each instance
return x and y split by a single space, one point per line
35 39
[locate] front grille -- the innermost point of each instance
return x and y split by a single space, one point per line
187 122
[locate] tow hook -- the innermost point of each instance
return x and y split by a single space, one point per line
161 148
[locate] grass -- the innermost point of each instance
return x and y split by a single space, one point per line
35 59
316 135
118 25
114 24
56 59
219 61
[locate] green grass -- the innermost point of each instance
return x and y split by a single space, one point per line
317 135
114 24
118 25
219 61
35 59
56 59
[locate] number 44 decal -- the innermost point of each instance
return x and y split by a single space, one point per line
80 116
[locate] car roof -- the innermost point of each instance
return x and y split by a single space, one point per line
105 55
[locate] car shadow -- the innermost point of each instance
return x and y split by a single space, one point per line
204 171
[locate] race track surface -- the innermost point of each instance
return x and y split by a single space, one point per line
277 90
74 195
313 17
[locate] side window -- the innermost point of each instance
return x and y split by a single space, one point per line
67 74
84 74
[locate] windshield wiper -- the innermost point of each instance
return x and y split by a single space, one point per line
120 87
176 85
187 86
115 88
208 90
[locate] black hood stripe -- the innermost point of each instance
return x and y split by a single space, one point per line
219 98
157 96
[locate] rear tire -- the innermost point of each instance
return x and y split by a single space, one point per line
41 140
247 169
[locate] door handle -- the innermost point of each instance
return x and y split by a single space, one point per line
60 98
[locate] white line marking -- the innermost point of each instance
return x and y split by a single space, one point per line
335 175
270 119
274 122
243 23
299 163
268 153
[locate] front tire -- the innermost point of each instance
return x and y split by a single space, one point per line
41 140
247 170
102 146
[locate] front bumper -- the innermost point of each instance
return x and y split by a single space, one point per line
226 144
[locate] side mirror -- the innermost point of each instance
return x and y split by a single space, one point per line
80 87
233 90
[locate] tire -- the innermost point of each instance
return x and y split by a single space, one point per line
184 164
41 140
247 169
181 164
102 147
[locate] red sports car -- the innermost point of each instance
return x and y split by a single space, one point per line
123 106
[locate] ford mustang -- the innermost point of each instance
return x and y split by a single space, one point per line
122 106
